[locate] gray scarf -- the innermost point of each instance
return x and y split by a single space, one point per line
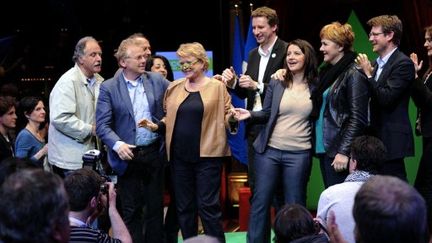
358 175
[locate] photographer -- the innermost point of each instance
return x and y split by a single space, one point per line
89 195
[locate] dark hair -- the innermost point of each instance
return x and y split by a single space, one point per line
81 186
6 103
80 47
11 165
149 65
369 152
28 104
310 62
428 30
293 221
33 206
388 210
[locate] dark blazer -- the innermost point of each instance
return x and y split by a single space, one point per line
389 105
422 96
115 120
269 114
276 61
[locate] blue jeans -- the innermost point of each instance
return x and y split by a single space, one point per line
294 168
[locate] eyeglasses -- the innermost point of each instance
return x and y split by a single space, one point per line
138 58
186 66
375 34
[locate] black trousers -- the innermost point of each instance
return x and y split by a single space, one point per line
140 190
197 190
423 182
394 167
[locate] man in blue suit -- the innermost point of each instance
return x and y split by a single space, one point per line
135 154
390 83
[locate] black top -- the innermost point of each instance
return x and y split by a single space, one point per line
187 129
6 149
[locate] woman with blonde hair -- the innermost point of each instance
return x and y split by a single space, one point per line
197 111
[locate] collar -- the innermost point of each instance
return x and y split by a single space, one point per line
133 83
263 53
382 61
77 222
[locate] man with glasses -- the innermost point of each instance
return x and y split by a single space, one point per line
390 79
134 153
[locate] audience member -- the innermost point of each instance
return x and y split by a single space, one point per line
295 224
134 153
367 153
8 119
283 147
11 165
89 195
197 111
160 64
30 143
390 82
33 208
72 109
422 96
388 210
263 60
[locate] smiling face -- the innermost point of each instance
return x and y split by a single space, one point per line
159 66
381 42
295 59
262 30
332 52
191 67
135 60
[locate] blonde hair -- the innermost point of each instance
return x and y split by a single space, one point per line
121 52
341 34
196 50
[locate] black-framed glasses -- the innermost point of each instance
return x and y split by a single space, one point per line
375 34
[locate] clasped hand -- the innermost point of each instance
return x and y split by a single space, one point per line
148 124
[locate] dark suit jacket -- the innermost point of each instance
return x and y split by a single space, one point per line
389 106
115 119
422 96
277 58
269 114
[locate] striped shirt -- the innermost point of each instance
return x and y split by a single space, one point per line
86 234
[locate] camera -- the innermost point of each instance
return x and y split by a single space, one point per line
92 158
104 188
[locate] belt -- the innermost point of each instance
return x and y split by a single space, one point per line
146 147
